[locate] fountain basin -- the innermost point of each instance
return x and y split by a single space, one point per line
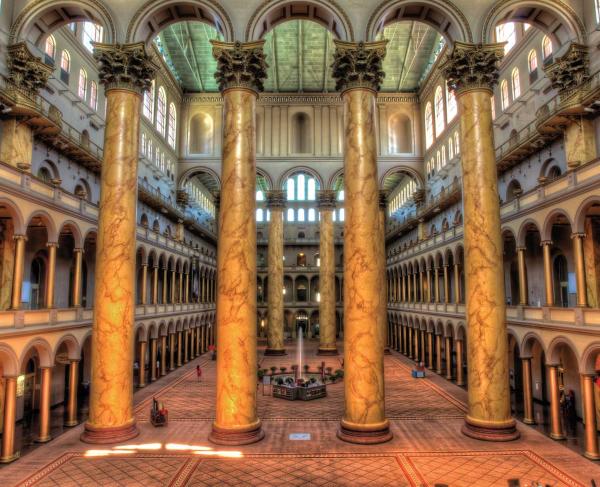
295 392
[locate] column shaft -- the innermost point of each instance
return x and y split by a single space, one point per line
144 290
17 282
548 278
165 285
364 418
45 396
589 412
438 354
448 351
72 399
527 391
77 277
111 397
155 284
327 322
179 348
556 429
430 350
275 317
522 276
142 364
446 285
163 355
457 290
8 453
460 381
171 351
579 269
153 351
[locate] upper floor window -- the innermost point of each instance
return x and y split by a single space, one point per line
50 49
438 158
526 27
443 156
451 107
533 62
301 187
65 66
440 122
504 95
456 143
507 33
149 102
172 124
260 195
493 100
547 48
91 33
94 95
597 8
161 110
516 84
450 148
428 125
82 86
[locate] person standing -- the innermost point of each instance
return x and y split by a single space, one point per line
198 372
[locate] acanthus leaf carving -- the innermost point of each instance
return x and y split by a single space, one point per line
570 70
358 65
27 72
472 66
240 65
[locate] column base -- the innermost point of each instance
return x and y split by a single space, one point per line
236 437
275 352
10 458
491 432
556 437
141 386
528 421
387 351
591 456
116 434
364 434
328 351
70 424
43 439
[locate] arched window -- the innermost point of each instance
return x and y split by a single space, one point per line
161 111
91 33
443 156
290 215
94 95
516 84
82 86
451 106
440 122
172 124
312 215
143 144
456 143
438 159
50 49
597 8
300 214
301 187
533 62
428 125
260 195
259 215
547 48
65 66
450 148
504 95
507 33
149 102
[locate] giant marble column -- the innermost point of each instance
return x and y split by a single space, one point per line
126 71
357 70
472 71
383 195
241 69
327 323
275 319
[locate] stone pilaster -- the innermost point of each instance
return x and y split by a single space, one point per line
358 74
241 69
125 71
472 71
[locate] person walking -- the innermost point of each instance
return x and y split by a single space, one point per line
198 372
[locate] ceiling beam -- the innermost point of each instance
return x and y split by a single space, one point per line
300 58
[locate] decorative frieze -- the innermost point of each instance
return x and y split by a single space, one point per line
313 99
358 65
570 70
125 66
472 66
240 65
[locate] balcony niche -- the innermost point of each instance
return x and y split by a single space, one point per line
201 134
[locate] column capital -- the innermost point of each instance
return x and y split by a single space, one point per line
27 73
577 235
358 65
472 66
144 264
240 65
276 199
326 199
571 69
52 244
78 249
521 248
546 242
125 66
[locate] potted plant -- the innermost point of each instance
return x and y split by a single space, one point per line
260 374
328 370
306 368
339 373
283 369
279 381
273 370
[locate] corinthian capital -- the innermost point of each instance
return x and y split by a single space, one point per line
358 65
570 70
326 199
25 71
276 199
472 66
240 65
125 66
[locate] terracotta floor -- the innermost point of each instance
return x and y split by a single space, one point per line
427 450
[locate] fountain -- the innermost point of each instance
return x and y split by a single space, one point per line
300 386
